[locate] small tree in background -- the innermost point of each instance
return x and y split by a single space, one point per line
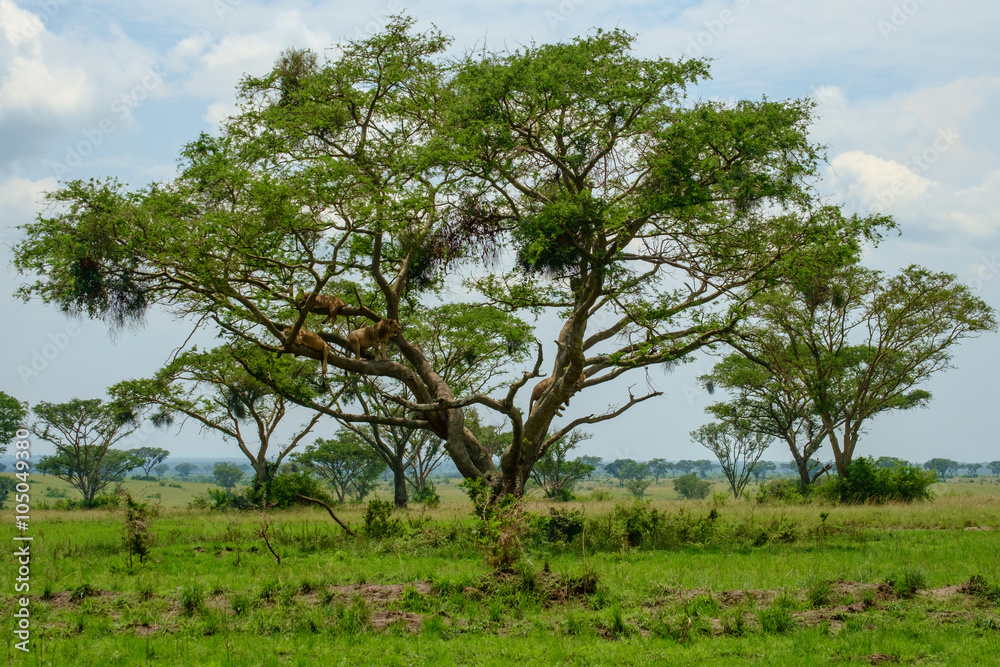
972 468
690 486
184 470
994 467
659 468
557 476
636 477
738 451
345 462
150 457
227 475
617 468
943 468
84 432
760 469
12 418
161 470
703 466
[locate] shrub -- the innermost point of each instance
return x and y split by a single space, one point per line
282 491
7 485
600 495
379 522
779 491
427 495
691 487
638 522
562 525
99 502
865 482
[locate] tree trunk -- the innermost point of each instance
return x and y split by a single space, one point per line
399 483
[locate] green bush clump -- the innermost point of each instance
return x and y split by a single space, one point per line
867 483
284 490
691 487
379 522
427 495
561 525
99 502
780 491
638 523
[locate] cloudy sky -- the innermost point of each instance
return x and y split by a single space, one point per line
908 92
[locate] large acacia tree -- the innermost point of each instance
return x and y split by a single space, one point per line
574 180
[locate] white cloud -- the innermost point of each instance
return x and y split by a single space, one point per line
874 183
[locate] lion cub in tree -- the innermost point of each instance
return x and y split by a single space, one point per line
542 386
322 304
377 334
313 341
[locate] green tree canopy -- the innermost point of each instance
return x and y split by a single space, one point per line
149 457
575 180
738 451
852 343
12 418
350 467
555 474
227 475
83 432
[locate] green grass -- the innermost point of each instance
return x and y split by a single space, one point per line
861 585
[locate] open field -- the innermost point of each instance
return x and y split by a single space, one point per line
751 584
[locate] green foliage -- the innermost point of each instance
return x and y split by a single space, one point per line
555 474
737 450
83 432
427 495
776 619
350 466
12 418
284 490
138 517
943 468
865 482
780 491
227 475
149 458
561 525
908 582
691 487
7 485
379 522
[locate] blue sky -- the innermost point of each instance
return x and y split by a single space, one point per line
908 93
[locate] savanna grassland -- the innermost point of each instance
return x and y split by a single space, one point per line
603 582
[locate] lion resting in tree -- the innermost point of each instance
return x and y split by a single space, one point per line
377 335
311 340
322 304
542 386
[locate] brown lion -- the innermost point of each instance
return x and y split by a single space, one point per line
322 305
542 386
377 335
312 341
